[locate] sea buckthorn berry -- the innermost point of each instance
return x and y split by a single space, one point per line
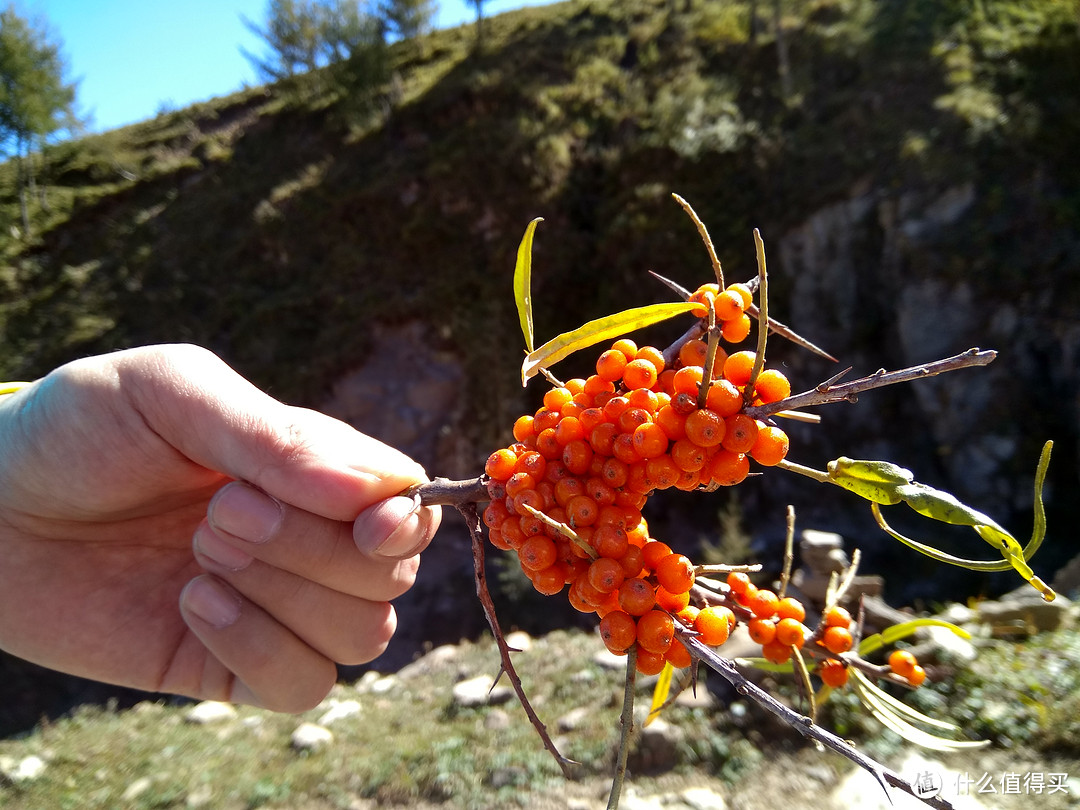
644 399
496 538
743 292
791 608
610 365
705 428
547 444
544 419
602 438
764 603
714 624
637 596
688 614
627 347
770 446
728 305
523 428
575 385
606 575
527 499
671 602
902 662
728 469
739 582
632 561
671 422
533 463
633 418
582 511
650 440
597 385
916 676
772 385
615 407
500 464
693 352
740 433
762 631
738 367
653 552
618 631
649 663
688 456
678 656
610 541
724 398
791 632
577 455
537 553
549 581
664 383
747 595
556 398
653 355
568 488
687 380
640 374
637 479
590 418
684 403
675 572
662 472
701 294
737 329
837 616
495 513
655 631
837 639
775 653
833 673
569 430
518 483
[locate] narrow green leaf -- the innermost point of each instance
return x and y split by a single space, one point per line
892 634
595 331
523 283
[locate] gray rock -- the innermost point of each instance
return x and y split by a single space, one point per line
339 710
311 737
481 691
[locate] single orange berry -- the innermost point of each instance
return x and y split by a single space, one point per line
762 631
537 553
739 582
714 624
772 386
653 355
688 457
671 602
569 430
500 464
743 292
653 552
738 367
633 418
837 639
764 603
770 445
610 365
791 632
775 653
637 596
833 673
640 374
728 469
678 656
606 575
836 616
518 483
704 292
687 380
577 455
740 433
644 399
610 541
916 676
728 305
523 428
618 631
724 398
650 440
649 663
671 422
693 352
791 608
549 581
655 631
705 428
902 662
675 573
662 472
582 511
632 561
627 347
556 398
737 329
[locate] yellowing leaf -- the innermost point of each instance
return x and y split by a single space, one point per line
895 632
660 693
595 331
523 283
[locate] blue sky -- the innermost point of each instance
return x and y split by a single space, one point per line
135 57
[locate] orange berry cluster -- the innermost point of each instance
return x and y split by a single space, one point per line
567 495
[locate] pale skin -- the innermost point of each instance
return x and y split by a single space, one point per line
167 526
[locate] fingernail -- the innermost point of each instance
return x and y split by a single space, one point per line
396 527
210 601
210 545
245 512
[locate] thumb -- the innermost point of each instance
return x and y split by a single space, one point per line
219 420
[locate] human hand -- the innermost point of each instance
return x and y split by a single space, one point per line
165 525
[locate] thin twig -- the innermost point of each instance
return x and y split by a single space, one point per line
626 721
704 238
763 318
446 492
789 552
804 725
472 520
849 392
